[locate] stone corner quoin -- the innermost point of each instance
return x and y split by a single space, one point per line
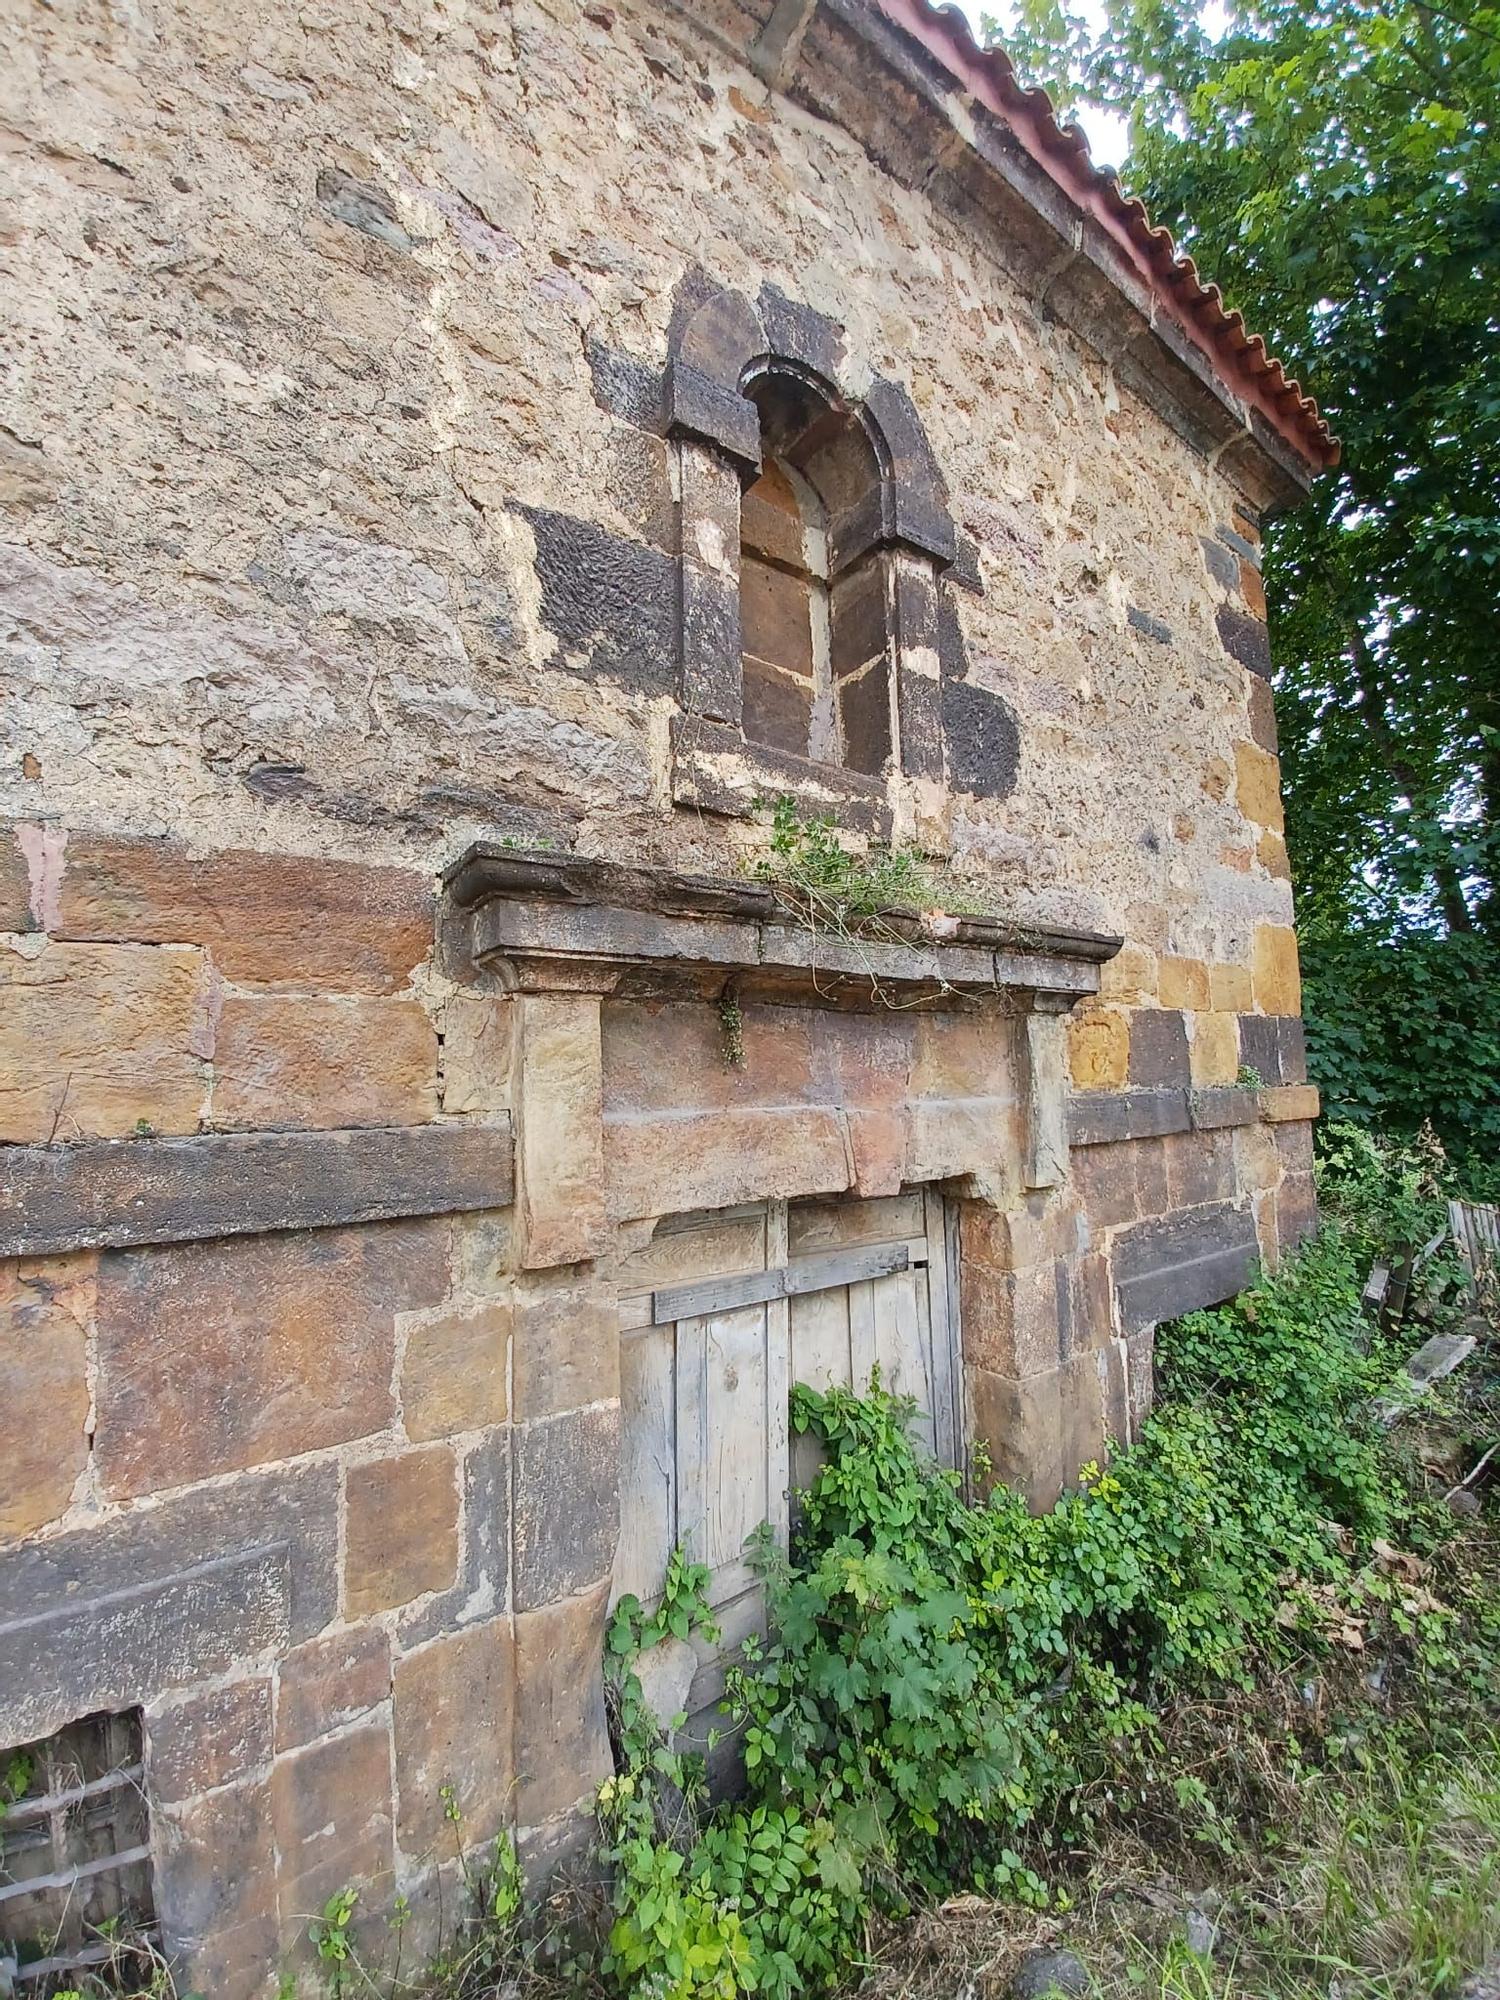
448 490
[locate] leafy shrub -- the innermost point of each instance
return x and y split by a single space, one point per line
948 1684
1406 1031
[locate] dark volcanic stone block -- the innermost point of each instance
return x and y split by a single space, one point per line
610 602
1244 638
1158 1048
1183 1262
984 743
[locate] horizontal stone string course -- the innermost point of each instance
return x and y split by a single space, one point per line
1103 1118
117 1193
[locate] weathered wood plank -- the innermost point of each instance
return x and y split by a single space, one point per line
735 1499
648 1464
778 1381
112 1194
942 1333
808 1274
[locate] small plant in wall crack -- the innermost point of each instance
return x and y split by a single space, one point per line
732 1028
808 863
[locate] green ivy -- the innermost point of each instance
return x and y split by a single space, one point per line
948 1685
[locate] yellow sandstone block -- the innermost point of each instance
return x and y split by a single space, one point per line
1098 1049
1229 989
1214 1051
1130 976
1183 982
1277 979
1258 786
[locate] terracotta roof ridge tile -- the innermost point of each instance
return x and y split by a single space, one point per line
1241 358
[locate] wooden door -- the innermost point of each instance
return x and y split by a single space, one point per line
720 1314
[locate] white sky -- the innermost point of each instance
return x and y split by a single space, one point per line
1107 131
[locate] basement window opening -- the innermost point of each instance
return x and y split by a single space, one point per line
75 1858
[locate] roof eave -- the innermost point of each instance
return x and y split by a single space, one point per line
946 116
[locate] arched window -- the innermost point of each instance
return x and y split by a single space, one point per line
813 587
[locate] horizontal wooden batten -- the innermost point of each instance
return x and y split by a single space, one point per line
751 1288
117 1193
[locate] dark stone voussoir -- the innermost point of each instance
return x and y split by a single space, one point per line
1183 1262
795 332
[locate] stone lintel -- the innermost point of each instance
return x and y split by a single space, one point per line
115 1648
634 930
114 1193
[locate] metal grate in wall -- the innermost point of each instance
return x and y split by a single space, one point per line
75 1855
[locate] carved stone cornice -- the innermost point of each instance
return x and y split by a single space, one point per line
543 922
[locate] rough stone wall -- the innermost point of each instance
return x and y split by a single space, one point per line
332 364
337 530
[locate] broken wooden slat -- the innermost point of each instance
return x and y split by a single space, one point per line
1433 1360
1475 1228
1373 1296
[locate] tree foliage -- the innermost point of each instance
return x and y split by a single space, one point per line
1335 168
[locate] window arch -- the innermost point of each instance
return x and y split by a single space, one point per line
814 539
813 590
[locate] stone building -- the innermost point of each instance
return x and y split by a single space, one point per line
456 465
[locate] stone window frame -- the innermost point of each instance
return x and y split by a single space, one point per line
720 344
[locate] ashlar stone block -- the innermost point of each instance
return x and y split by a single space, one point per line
400 1529
44 1395
559 1110
562 1741
454 1713
1274 970
215 1356
454 1370
100 1041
